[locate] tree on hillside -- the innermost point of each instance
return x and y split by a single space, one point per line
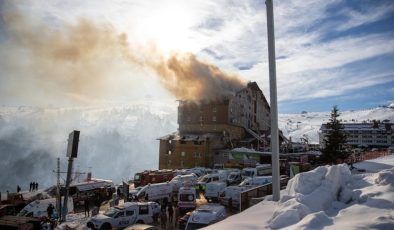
335 140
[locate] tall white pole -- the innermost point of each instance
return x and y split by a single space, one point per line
273 102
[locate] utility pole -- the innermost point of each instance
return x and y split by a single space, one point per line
273 102
59 196
72 150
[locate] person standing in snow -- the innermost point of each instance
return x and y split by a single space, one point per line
31 186
18 189
86 204
170 213
163 219
50 210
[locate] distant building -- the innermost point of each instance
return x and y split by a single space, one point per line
205 128
371 135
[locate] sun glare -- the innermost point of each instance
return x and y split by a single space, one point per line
168 27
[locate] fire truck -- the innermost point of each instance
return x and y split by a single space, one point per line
152 176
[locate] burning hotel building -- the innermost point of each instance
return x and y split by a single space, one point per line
206 128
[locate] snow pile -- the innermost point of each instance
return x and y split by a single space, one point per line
327 197
308 192
385 177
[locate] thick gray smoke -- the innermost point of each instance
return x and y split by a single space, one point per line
115 142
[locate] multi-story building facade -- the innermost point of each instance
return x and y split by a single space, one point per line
372 135
205 128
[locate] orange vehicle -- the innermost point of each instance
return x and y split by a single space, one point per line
153 176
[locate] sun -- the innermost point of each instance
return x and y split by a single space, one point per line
167 26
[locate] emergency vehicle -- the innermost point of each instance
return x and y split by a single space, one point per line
153 192
214 190
187 198
124 215
152 176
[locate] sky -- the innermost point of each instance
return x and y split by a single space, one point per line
328 52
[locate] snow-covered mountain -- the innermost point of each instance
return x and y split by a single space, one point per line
308 124
115 141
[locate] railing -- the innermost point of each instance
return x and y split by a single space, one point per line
248 197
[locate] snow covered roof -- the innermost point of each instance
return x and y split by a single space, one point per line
364 126
247 150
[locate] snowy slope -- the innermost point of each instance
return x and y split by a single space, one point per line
297 125
328 197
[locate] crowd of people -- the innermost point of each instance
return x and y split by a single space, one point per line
169 215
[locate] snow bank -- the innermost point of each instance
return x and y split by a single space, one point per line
385 177
310 192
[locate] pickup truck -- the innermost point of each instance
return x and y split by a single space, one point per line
124 215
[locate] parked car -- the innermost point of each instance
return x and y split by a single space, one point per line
123 215
206 215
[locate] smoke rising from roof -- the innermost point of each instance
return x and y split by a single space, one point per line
188 78
82 61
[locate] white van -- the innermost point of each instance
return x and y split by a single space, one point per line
206 215
183 180
213 190
123 215
257 180
260 170
231 195
38 208
154 192
187 198
210 178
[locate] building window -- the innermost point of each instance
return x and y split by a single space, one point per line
201 118
182 165
214 118
169 152
214 110
169 162
189 118
183 154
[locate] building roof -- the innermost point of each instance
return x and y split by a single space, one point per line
364 126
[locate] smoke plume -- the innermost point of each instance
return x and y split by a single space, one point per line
82 61
188 78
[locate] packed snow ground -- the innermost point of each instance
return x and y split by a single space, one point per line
328 197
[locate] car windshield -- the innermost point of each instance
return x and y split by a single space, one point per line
232 176
204 179
186 197
111 212
247 173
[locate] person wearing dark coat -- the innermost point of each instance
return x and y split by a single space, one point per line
50 210
170 213
18 189
31 186
87 208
